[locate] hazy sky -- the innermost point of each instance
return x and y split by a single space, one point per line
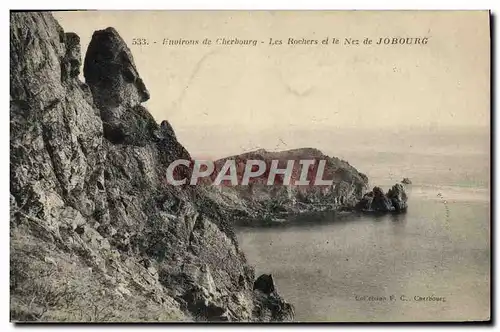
292 88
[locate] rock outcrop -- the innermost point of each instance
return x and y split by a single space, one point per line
399 198
406 181
96 232
259 201
265 284
376 201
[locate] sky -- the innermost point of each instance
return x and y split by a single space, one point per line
248 91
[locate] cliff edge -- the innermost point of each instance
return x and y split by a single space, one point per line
96 233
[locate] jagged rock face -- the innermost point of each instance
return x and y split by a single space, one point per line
380 202
397 195
376 201
110 72
166 129
264 203
93 212
56 134
406 181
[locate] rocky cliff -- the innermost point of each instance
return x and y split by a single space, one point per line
96 233
261 202
396 200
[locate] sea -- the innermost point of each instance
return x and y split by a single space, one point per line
430 264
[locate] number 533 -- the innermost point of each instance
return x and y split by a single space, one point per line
140 41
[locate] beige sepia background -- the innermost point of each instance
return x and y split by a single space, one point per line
236 98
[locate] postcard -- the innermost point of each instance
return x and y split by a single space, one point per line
250 166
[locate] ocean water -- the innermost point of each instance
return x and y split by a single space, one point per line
365 268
